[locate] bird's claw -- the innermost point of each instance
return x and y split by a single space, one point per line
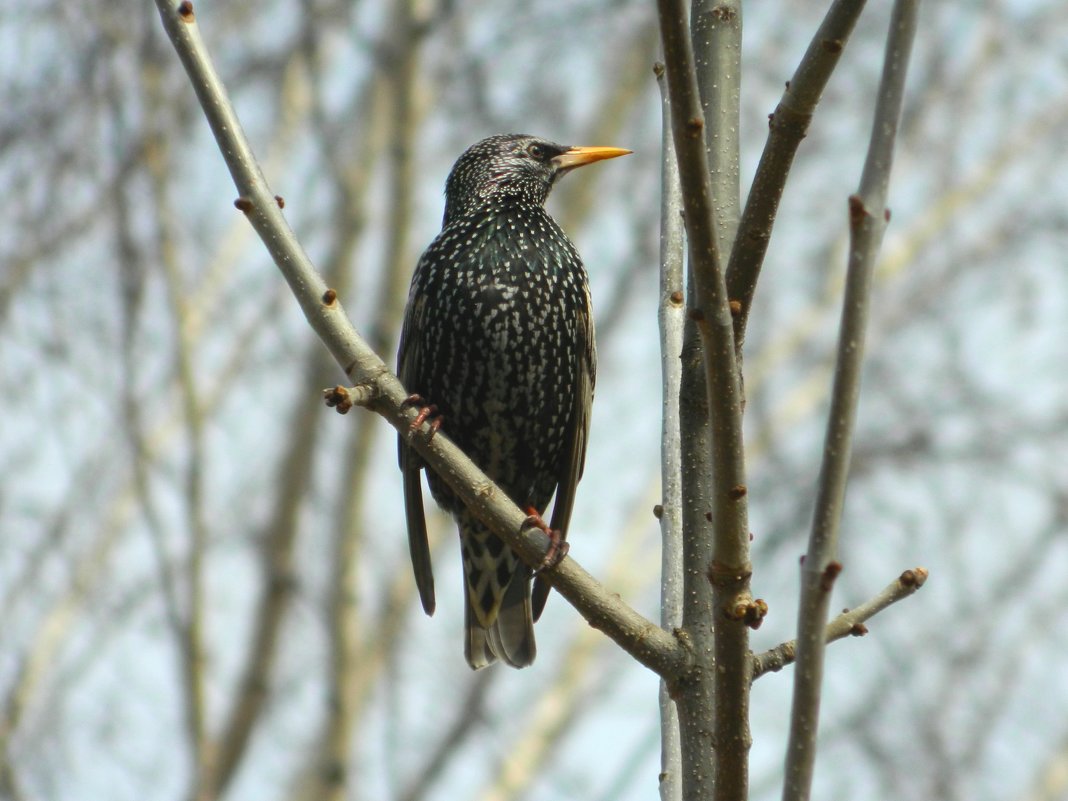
428 413
558 546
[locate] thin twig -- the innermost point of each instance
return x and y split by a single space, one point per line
788 126
279 542
655 648
868 216
848 624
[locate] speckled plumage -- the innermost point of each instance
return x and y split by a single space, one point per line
498 334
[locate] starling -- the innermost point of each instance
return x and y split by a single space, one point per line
498 336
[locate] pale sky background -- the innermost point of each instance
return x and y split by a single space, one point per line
957 692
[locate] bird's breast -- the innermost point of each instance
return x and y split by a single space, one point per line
497 309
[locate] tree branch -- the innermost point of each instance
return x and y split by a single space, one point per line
655 648
672 319
716 36
849 623
867 217
788 126
717 561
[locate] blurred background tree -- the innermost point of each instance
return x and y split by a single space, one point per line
204 584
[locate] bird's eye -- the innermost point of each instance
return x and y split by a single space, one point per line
536 151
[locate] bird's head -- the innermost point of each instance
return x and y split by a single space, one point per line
513 166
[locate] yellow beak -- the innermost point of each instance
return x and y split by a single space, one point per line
578 156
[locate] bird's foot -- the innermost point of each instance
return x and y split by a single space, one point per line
558 546
428 413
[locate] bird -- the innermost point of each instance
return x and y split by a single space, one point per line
497 347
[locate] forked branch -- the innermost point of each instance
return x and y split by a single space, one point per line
848 624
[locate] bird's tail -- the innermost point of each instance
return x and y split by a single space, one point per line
498 621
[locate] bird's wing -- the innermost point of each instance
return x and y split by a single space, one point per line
408 357
574 455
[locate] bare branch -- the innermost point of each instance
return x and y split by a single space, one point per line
867 216
848 624
655 648
716 36
788 126
672 318
717 562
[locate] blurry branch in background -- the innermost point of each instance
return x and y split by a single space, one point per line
278 538
52 634
199 393
868 217
575 200
381 391
355 664
468 715
187 617
367 652
90 569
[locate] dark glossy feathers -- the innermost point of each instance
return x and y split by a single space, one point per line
498 334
